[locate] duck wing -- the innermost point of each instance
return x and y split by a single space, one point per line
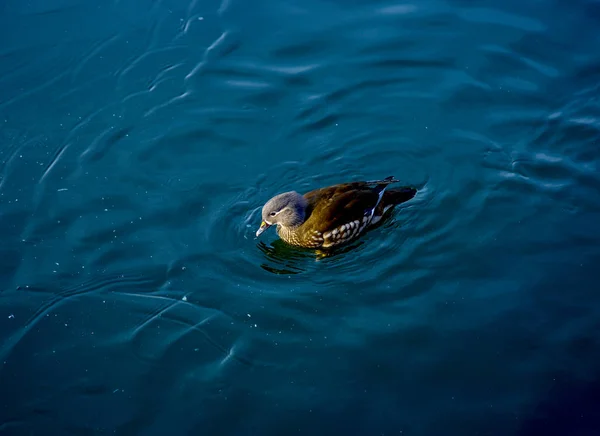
345 208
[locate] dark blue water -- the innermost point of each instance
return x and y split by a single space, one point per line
139 140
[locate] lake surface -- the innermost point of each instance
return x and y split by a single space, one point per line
140 139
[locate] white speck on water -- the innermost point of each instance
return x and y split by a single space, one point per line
184 298
249 316
62 189
11 316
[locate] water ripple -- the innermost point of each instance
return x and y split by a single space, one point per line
137 148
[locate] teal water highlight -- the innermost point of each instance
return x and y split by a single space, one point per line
139 141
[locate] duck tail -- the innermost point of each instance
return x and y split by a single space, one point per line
382 183
399 195
392 196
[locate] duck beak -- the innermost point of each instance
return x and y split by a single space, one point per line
263 226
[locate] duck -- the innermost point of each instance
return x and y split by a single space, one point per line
333 215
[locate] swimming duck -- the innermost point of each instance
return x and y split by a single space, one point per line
333 215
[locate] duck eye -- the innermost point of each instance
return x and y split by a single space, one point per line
273 213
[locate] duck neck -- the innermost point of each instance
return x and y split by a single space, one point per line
288 234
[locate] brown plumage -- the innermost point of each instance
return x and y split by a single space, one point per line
330 216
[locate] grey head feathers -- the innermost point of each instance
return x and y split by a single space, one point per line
287 209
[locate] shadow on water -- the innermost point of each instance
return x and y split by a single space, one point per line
284 258
570 408
296 260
